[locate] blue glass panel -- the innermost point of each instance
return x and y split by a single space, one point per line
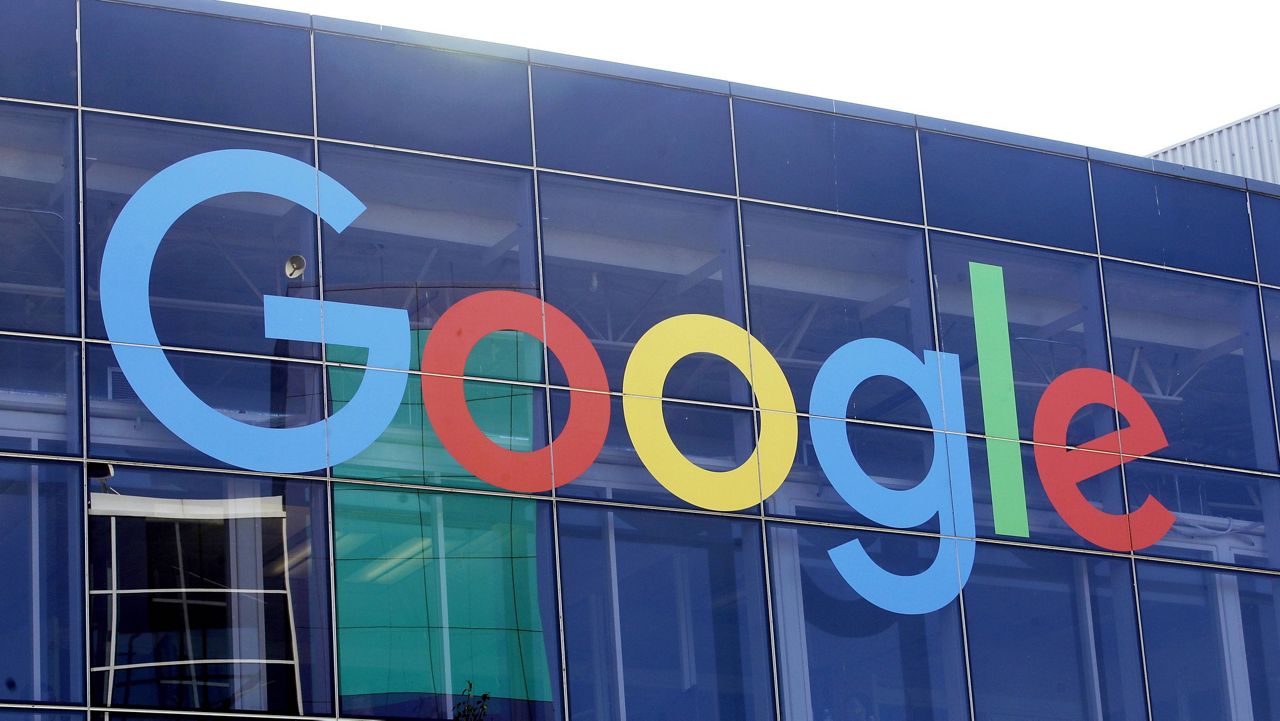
1104 491
1008 192
258 392
714 438
33 715
412 97
1212 642
1271 320
619 259
42 655
897 458
818 281
1265 211
38 50
513 417
1053 635
826 161
220 258
637 131
1222 517
1171 221
214 568
435 232
197 67
841 657
443 592
38 220
39 396
664 613
1053 302
1193 347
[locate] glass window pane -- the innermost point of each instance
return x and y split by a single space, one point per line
197 67
220 258
1073 614
435 232
38 220
10 714
840 656
664 611
1212 642
711 437
258 392
42 655
38 50
636 131
620 259
39 396
198 569
826 161
1193 347
441 592
1053 305
1104 491
897 458
411 97
513 417
817 282
1172 221
1265 211
1222 517
1007 192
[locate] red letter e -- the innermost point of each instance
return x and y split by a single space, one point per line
1062 470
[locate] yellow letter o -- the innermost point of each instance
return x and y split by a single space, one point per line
654 355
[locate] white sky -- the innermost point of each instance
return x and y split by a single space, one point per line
1127 75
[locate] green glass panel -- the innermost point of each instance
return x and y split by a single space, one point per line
409 451
505 355
438 589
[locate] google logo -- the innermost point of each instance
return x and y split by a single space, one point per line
945 492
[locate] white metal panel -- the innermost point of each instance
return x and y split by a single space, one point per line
1248 147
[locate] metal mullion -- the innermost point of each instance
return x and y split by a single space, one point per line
1124 483
83 400
937 345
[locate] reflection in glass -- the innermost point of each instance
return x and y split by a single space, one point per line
715 438
39 396
619 259
1104 491
664 614
1222 517
1054 306
513 417
220 258
255 391
896 458
819 281
440 590
1053 635
1193 348
42 648
210 592
1212 641
842 658
38 220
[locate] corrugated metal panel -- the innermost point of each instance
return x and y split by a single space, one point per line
1248 147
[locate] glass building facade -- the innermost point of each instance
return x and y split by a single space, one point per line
147 578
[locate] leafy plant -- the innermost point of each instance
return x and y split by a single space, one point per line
471 707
